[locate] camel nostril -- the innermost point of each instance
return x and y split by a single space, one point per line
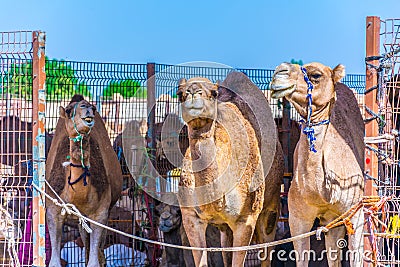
165 215
283 69
282 72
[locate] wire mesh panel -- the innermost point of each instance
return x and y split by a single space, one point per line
16 168
387 234
119 93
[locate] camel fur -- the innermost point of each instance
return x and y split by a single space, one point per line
330 181
224 180
104 180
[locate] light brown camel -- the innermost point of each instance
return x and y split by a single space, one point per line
223 181
329 157
83 170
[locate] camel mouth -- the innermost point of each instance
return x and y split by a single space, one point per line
89 121
280 91
195 112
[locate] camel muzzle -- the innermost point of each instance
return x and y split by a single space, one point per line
89 121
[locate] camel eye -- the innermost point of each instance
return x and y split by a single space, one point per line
316 76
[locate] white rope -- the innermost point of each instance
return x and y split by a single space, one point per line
74 211
378 139
7 229
66 208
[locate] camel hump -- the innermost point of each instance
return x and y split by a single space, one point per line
77 98
348 122
240 90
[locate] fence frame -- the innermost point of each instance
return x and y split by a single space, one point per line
38 147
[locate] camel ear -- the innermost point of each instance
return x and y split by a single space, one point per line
181 85
62 112
338 73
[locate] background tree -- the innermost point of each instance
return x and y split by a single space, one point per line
299 62
126 88
61 82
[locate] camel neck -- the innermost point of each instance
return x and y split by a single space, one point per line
205 132
204 166
319 134
323 113
79 162
79 151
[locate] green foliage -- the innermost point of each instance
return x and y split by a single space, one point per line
61 82
126 88
299 62
17 81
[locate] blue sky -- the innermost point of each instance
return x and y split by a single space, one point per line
247 34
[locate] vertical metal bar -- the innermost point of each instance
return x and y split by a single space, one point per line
151 109
371 129
38 147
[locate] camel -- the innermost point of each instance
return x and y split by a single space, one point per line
170 223
231 175
329 157
91 179
171 143
132 137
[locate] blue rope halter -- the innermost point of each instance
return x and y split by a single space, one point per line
308 129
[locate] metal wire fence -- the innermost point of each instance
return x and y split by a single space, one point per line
388 183
122 94
16 143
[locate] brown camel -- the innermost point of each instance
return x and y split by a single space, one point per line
132 139
172 142
227 180
170 223
91 179
329 157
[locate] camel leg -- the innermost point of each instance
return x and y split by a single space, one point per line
333 241
227 241
264 233
196 230
54 222
242 234
85 240
356 241
95 241
300 222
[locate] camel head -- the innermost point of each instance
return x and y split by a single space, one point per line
170 217
198 97
290 81
79 118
